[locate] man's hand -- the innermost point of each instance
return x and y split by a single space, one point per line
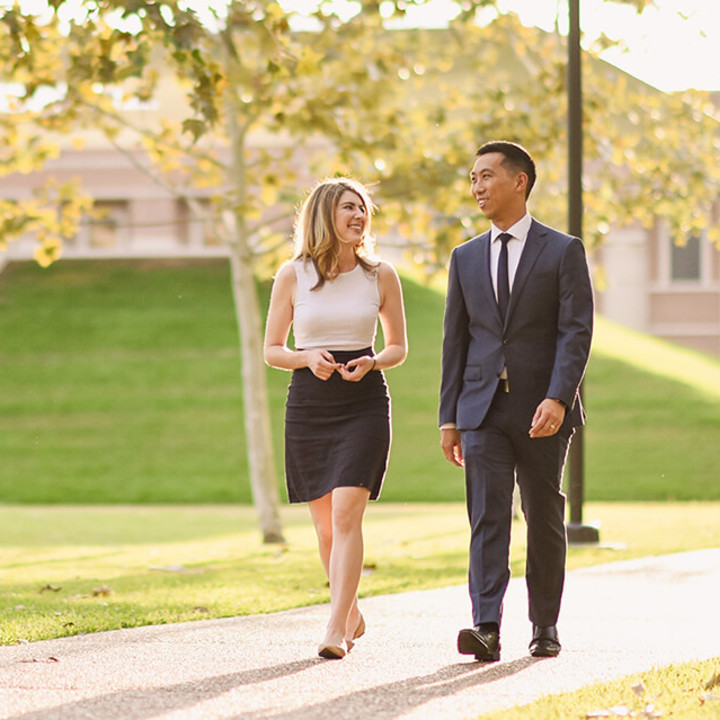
451 447
548 418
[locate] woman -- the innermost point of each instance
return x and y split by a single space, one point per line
337 422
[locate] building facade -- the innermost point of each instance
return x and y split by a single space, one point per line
659 286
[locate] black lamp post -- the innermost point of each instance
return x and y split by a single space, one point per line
577 532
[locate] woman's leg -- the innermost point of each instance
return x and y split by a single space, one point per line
338 523
321 513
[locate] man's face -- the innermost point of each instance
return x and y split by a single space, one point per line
498 191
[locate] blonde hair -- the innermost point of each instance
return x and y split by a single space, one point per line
316 236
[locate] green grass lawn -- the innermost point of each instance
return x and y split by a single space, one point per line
688 691
120 383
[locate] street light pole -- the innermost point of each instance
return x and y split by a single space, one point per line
577 532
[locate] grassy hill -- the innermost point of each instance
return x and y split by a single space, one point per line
120 383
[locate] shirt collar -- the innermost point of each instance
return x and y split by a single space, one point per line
519 230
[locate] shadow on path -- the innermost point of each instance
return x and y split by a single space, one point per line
393 699
146 703
381 701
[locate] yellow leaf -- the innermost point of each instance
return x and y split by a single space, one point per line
46 216
25 164
268 195
275 11
309 63
48 253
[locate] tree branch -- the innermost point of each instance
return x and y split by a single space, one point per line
196 209
124 122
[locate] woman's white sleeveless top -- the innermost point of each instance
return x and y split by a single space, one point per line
340 315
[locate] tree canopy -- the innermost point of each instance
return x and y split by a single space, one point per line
330 94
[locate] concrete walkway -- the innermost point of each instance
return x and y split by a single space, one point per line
616 619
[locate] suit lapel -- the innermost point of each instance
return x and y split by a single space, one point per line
483 280
534 243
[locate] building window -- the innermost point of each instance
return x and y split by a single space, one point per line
110 226
685 260
206 224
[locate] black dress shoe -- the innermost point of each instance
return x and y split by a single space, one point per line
481 641
545 642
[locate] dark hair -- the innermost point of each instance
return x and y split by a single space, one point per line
516 157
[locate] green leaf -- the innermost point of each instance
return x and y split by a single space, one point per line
196 128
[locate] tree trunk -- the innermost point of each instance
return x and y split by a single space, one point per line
255 396
247 310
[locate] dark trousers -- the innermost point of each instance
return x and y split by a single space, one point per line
495 454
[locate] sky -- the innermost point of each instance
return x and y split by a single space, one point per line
674 45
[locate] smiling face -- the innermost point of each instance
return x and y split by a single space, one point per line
351 218
498 189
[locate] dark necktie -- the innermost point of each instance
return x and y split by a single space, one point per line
503 279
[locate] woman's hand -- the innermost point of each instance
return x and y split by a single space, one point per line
322 364
356 369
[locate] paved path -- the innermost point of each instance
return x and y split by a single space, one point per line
616 619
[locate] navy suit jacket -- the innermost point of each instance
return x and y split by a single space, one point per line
544 341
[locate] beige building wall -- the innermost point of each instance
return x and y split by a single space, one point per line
139 218
626 269
654 286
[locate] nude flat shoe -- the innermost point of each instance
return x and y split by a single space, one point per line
360 629
331 652
359 632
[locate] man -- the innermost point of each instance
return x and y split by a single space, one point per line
517 332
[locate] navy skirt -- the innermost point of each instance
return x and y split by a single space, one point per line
337 433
